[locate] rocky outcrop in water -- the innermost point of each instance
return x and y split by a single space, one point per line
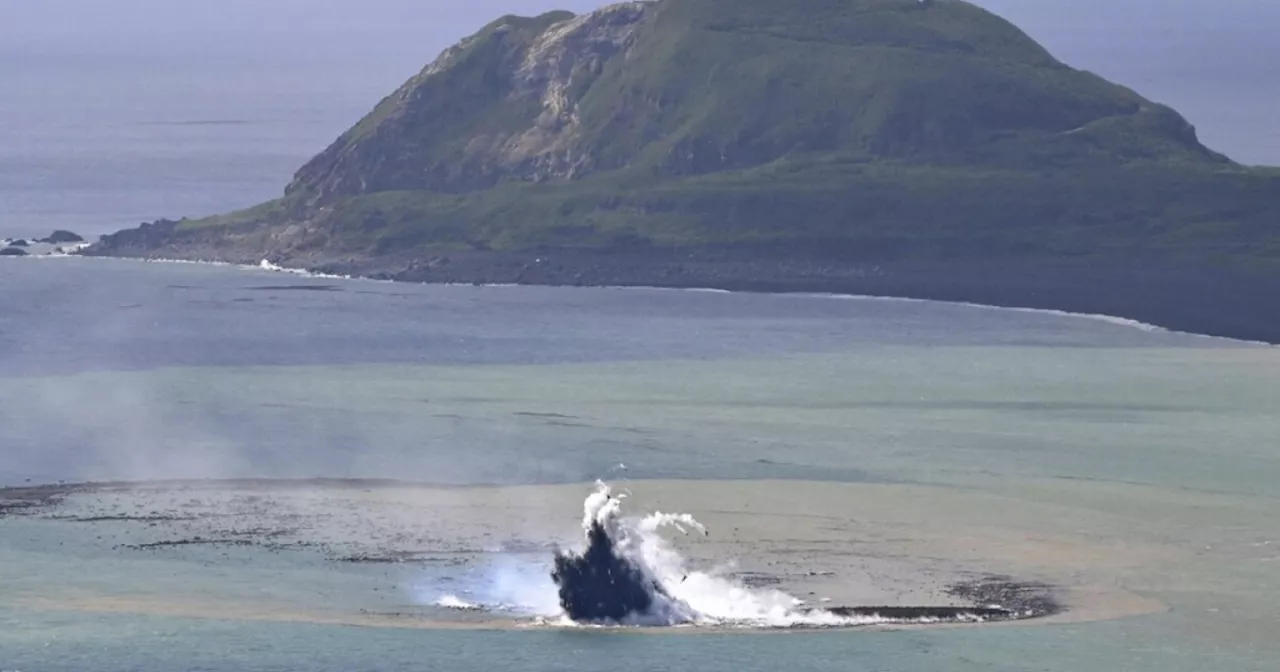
59 243
61 237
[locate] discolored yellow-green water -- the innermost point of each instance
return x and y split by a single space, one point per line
862 451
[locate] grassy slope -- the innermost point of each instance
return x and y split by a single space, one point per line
748 82
418 136
868 128
856 211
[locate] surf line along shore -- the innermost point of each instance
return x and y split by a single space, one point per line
1236 303
295 515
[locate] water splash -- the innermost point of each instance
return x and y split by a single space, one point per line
455 602
630 574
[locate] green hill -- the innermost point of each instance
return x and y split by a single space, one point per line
854 129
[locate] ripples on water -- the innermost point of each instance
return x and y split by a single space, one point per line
1057 445
81 314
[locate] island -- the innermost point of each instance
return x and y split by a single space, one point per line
882 147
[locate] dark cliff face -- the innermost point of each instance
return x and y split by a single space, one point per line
689 87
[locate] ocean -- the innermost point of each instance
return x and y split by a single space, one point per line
861 450
377 476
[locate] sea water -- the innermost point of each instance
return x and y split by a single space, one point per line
1097 453
1137 467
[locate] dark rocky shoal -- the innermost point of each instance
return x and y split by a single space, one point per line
596 586
989 598
926 614
601 586
1027 598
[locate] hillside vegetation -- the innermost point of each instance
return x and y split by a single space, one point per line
856 129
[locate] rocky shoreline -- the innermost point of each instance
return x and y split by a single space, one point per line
58 243
1181 296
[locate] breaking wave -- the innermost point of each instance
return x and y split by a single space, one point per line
266 265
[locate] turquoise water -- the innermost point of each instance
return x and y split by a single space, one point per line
1139 469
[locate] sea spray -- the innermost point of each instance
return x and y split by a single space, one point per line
629 573
518 585
455 602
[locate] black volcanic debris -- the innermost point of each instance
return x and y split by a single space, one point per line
923 614
990 598
1021 599
601 585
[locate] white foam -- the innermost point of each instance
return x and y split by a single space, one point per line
455 602
688 595
263 265
1110 319
518 586
197 262
1097 317
266 265
695 596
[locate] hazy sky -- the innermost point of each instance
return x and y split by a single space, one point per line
1214 60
